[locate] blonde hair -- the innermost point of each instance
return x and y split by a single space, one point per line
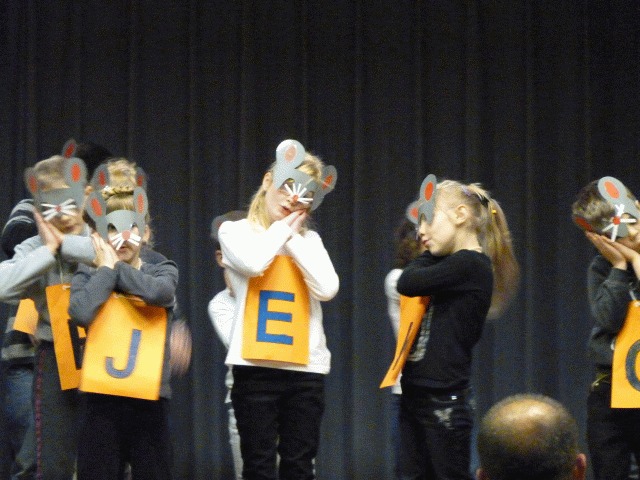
122 172
257 213
119 198
49 173
490 225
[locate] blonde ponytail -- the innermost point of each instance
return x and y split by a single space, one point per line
506 271
494 236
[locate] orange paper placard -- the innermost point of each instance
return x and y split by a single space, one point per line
276 316
68 338
124 352
625 385
411 312
26 317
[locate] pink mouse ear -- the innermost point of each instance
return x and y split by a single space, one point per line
412 212
329 178
427 197
96 207
140 201
69 148
141 178
31 181
100 177
290 152
583 223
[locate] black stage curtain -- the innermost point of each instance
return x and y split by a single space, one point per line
531 98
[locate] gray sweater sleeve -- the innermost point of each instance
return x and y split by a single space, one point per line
90 288
154 283
29 263
32 260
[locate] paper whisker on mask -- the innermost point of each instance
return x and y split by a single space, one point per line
616 220
68 207
290 154
296 193
127 236
617 195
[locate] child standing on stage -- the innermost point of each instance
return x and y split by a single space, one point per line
468 272
408 247
40 264
609 213
117 427
222 312
280 271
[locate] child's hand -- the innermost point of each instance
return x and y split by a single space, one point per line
296 219
105 254
609 250
50 235
179 348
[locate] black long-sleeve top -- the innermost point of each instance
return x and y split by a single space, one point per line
609 296
460 286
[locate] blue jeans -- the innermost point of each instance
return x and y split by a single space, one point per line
19 421
435 434
57 418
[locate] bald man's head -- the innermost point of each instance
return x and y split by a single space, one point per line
528 437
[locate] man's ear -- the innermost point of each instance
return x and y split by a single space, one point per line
580 467
267 180
481 475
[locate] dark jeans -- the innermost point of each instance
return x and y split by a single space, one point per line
19 422
394 429
115 429
278 412
613 434
56 419
435 435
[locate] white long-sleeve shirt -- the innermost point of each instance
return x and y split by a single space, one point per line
247 251
393 309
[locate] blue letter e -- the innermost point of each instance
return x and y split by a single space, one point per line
264 315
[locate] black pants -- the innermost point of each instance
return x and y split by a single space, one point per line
277 412
435 435
613 434
118 429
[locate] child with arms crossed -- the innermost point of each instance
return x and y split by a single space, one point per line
222 312
468 271
407 248
118 428
280 271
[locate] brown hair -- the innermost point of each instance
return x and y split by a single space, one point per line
590 206
407 244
